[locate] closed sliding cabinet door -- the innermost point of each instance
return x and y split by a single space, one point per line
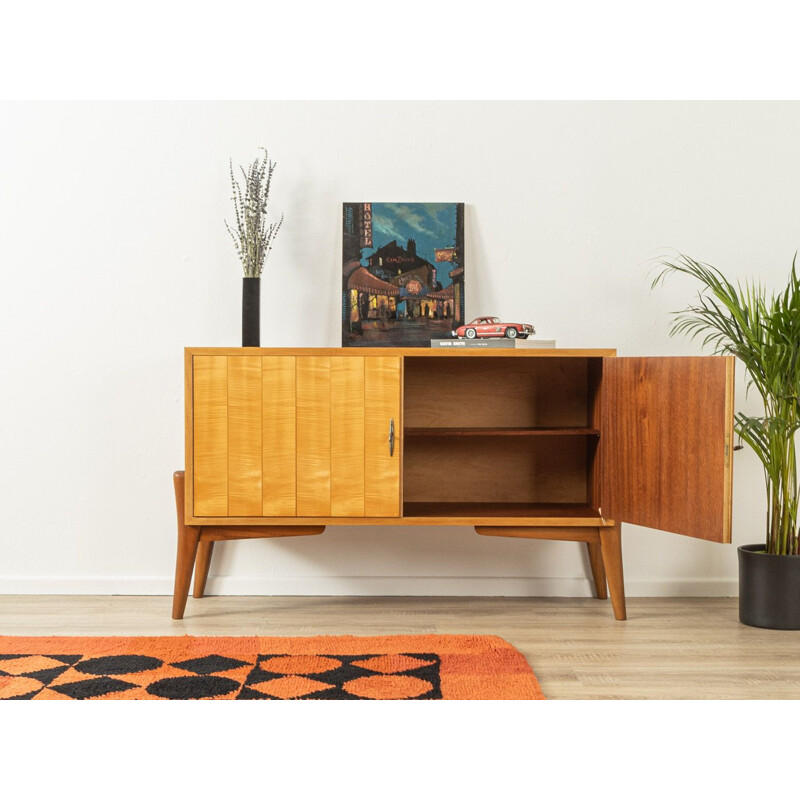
296 436
347 409
244 436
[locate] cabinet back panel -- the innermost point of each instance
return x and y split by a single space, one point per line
550 469
503 392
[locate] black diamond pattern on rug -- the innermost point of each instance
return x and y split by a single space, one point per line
94 687
208 665
118 665
193 687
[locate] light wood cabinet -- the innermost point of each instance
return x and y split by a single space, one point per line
555 444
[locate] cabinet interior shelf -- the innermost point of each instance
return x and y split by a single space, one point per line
548 431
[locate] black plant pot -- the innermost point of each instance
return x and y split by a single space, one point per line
769 589
251 312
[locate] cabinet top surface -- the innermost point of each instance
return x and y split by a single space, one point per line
417 352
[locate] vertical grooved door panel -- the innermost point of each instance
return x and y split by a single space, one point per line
210 435
244 436
313 436
279 432
381 406
347 436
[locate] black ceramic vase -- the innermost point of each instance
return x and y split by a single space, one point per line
769 589
251 312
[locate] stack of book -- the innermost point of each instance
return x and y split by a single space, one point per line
456 344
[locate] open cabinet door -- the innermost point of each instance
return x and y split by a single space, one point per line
666 442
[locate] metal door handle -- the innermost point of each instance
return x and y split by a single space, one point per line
391 437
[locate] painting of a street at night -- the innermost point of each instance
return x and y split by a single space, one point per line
402 273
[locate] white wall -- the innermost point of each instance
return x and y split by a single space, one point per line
113 257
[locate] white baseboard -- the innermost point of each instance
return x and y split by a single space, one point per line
430 586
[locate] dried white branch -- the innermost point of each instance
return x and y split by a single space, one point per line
253 236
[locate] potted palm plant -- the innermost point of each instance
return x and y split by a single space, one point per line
253 237
763 332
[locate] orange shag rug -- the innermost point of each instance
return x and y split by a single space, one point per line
427 667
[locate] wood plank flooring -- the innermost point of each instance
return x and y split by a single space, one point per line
669 648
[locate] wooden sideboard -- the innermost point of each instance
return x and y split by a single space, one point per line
539 444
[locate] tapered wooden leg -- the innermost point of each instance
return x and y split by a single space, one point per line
611 549
204 551
187 550
188 538
598 570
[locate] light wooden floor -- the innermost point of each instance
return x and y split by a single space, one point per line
676 648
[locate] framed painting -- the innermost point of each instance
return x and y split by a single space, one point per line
402 273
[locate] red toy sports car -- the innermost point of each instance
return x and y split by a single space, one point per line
491 327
